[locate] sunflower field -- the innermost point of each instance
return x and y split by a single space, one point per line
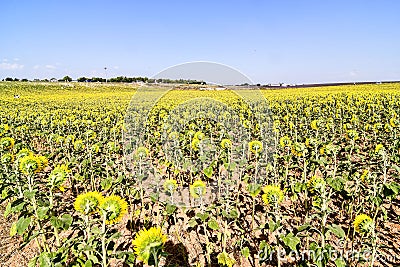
117 175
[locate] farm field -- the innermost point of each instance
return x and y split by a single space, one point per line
302 177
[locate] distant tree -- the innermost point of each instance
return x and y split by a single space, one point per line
67 79
82 79
24 80
8 79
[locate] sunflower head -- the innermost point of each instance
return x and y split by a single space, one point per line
88 203
315 125
4 129
23 153
113 208
285 141
142 152
316 184
352 135
311 142
30 164
226 144
199 135
149 243
79 145
7 158
198 189
96 148
255 147
364 175
195 144
363 224
7 143
298 149
379 149
170 185
58 176
90 134
273 195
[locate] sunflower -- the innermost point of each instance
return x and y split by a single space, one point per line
23 153
79 145
363 224
226 144
394 122
170 185
316 184
88 203
113 208
31 164
273 195
96 148
315 125
285 141
364 175
198 189
149 243
58 176
3 129
379 148
90 135
298 149
7 158
352 135
199 135
142 152
195 144
7 143
255 146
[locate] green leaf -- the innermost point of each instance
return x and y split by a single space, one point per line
8 210
254 189
336 183
22 224
246 252
202 216
42 212
213 224
29 194
291 241
208 172
64 222
32 262
192 222
304 227
170 209
337 231
273 226
340 262
13 229
44 260
88 263
106 184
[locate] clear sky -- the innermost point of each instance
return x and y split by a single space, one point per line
271 41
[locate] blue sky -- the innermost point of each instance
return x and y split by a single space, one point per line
270 41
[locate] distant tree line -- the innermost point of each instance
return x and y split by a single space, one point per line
119 79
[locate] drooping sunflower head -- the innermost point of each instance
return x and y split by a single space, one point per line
198 189
4 129
352 135
142 152
379 149
226 144
298 149
314 125
58 176
364 175
7 143
90 134
88 203
113 208
30 164
23 153
195 144
199 135
96 148
363 224
285 141
255 147
273 195
170 185
7 158
316 184
147 242
394 122
79 145
43 162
